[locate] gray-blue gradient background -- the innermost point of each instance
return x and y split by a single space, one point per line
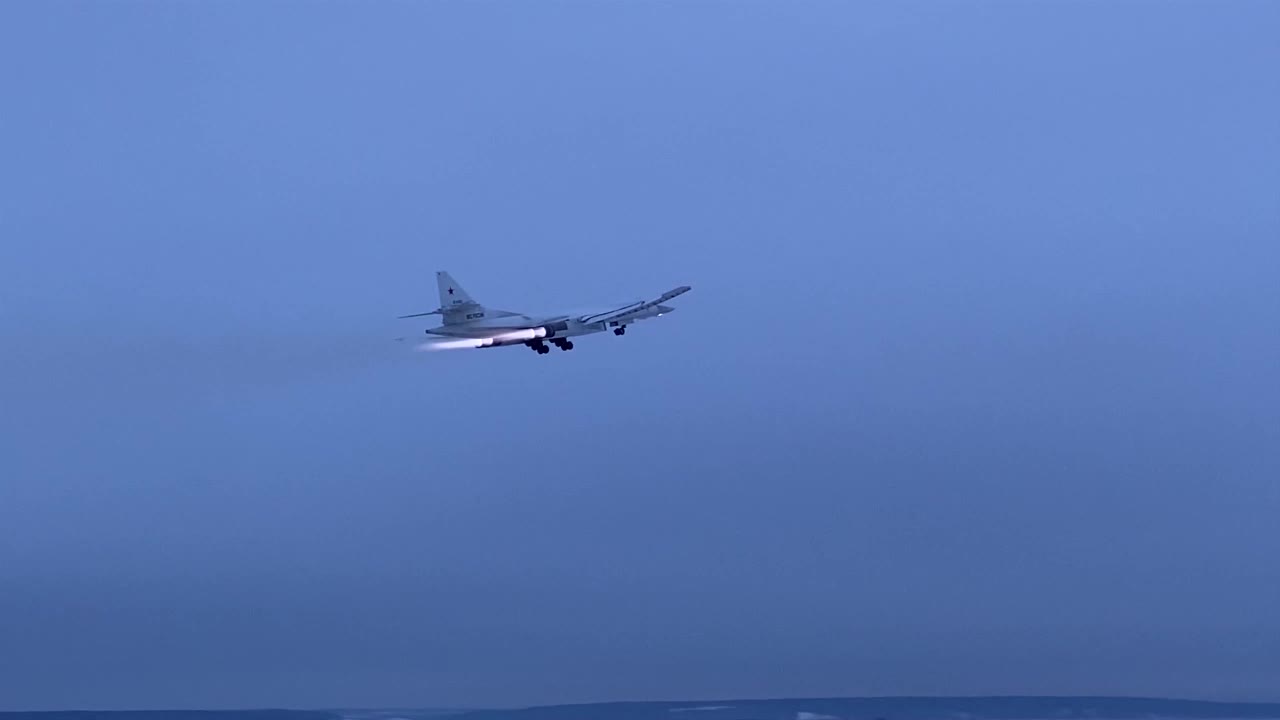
976 391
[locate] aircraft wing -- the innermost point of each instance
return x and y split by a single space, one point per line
625 311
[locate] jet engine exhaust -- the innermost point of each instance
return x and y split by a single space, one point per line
473 343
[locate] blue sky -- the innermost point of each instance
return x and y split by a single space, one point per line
975 392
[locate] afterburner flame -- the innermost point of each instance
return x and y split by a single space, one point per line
513 336
437 345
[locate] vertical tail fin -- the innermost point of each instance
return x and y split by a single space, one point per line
456 305
451 293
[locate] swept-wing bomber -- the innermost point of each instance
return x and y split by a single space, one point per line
468 324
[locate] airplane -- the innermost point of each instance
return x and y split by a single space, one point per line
468 324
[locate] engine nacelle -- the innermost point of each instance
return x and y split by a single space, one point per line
556 327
